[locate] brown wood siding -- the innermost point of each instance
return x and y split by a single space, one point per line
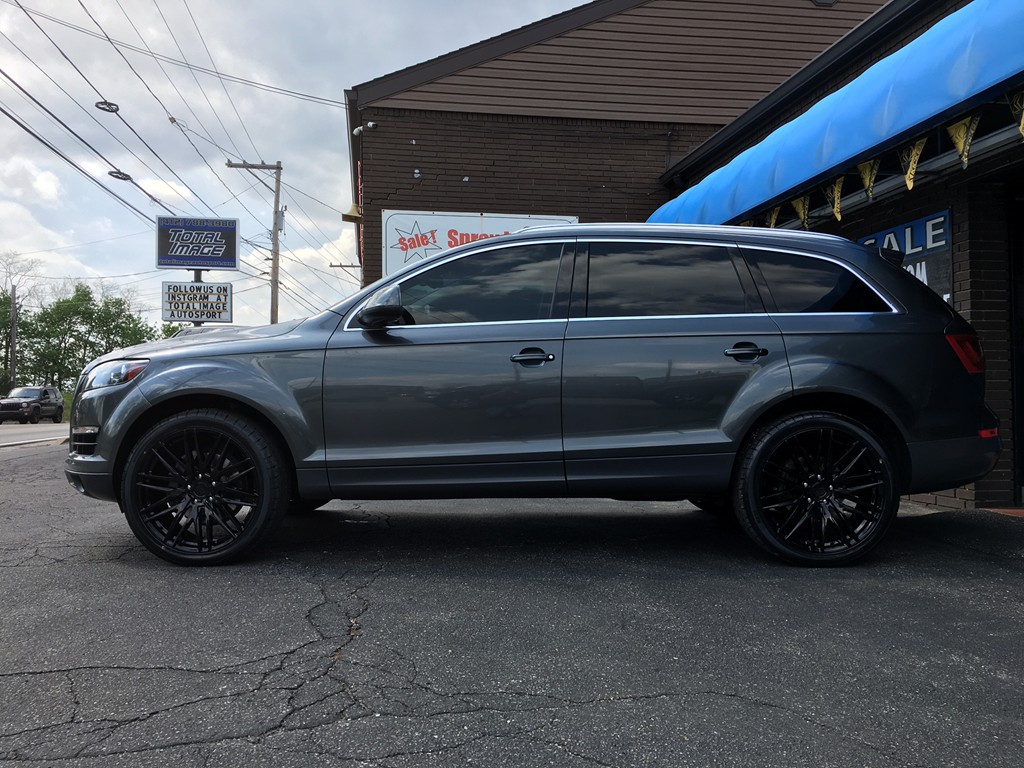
599 170
694 61
822 88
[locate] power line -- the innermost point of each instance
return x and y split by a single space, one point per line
160 64
98 93
17 121
85 143
93 242
91 116
230 78
219 78
199 85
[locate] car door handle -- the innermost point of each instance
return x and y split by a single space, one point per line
532 356
745 350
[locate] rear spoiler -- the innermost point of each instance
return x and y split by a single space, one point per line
891 255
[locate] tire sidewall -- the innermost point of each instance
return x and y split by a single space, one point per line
748 485
271 483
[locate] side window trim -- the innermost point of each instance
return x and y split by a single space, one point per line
559 302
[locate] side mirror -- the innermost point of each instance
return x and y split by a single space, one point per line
383 309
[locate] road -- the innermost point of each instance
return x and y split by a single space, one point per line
502 633
13 433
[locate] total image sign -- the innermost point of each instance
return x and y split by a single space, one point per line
926 247
410 236
196 243
196 302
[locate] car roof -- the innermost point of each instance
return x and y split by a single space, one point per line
794 238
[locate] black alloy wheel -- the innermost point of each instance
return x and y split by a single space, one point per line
58 416
34 418
203 487
816 489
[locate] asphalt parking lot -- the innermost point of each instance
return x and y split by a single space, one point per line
502 633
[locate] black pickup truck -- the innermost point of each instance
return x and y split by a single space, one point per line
30 404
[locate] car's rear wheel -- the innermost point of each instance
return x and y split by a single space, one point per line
816 489
58 416
203 487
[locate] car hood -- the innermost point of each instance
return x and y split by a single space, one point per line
16 399
184 343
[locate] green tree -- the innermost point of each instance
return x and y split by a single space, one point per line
63 336
169 329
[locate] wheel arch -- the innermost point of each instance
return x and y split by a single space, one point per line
874 418
171 406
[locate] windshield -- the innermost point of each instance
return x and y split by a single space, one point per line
29 392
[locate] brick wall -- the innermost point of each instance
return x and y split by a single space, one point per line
599 170
982 288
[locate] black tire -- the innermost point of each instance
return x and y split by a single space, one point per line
34 418
204 487
58 417
816 489
23 419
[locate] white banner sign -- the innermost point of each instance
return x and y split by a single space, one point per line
413 235
196 302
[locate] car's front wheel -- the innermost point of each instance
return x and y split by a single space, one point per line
203 487
34 416
816 489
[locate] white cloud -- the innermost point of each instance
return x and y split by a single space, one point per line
171 192
329 46
23 180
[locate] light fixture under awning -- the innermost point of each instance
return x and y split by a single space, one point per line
965 59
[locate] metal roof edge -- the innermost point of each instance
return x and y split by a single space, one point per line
487 50
875 26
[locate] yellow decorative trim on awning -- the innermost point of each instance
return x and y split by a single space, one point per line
834 194
802 205
772 217
1017 107
910 155
962 133
868 171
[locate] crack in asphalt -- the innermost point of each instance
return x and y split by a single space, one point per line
340 692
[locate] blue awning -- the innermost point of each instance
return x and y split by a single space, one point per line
964 59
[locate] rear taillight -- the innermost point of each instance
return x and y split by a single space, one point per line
968 349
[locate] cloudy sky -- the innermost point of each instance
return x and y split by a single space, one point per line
153 59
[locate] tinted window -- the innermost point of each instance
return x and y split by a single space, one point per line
805 284
503 284
644 279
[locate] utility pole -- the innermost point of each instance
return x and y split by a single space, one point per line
275 254
14 334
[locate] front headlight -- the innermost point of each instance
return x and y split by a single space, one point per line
113 373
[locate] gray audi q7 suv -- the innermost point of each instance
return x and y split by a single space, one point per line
796 379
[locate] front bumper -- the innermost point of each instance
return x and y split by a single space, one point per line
96 485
